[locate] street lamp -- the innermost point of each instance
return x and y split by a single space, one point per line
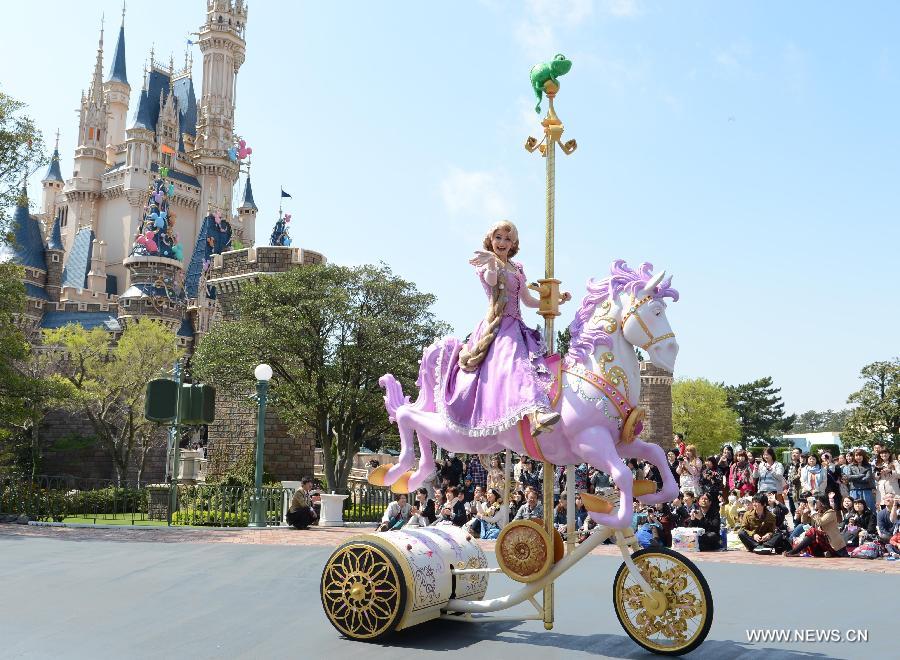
263 374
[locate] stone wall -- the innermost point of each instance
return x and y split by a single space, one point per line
288 456
90 461
656 398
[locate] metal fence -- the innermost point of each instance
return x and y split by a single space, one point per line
49 498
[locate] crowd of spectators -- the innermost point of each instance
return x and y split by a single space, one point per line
815 505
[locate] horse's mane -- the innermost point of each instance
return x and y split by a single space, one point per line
584 337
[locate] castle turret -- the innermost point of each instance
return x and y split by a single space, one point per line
54 257
27 249
52 185
246 228
221 40
83 190
116 92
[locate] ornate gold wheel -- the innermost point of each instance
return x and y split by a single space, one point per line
677 617
362 591
524 550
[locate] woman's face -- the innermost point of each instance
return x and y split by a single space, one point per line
671 456
858 507
811 460
704 501
490 497
501 243
858 457
742 457
578 502
885 456
848 503
758 508
495 462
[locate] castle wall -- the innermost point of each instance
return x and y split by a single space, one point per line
656 398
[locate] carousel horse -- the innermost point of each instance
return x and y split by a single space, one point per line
596 389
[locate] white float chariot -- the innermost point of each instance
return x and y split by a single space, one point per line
378 583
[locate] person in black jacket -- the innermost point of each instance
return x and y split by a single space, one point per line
707 517
457 506
426 505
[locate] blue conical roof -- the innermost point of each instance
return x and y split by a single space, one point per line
247 201
117 69
27 245
55 242
53 173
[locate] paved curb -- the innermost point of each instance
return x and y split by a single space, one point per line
185 528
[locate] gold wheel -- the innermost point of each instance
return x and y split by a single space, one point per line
524 550
677 617
362 591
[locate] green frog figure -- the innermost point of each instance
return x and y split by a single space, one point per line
541 73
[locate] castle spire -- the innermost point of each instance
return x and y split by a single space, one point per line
95 93
117 68
53 172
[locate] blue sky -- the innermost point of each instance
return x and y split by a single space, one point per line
749 149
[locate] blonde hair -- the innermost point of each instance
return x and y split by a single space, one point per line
513 234
692 449
469 360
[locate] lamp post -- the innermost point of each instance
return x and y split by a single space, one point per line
263 374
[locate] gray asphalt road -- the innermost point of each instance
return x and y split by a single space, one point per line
100 599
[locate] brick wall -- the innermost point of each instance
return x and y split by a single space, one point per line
656 397
288 456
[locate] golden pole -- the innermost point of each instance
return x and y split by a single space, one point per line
548 289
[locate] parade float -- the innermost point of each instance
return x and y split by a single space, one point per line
381 582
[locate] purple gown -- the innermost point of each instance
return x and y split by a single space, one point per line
510 383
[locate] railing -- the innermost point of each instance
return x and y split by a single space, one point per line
95 501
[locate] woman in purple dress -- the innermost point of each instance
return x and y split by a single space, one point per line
497 377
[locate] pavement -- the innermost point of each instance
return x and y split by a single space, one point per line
186 593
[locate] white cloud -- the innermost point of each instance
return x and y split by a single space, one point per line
476 194
734 60
536 33
622 8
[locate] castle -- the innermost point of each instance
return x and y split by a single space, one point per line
141 227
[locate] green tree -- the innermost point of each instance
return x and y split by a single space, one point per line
813 421
700 412
13 348
21 153
760 410
109 382
329 333
876 416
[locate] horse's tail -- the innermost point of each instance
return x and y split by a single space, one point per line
393 398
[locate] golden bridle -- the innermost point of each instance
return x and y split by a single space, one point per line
633 311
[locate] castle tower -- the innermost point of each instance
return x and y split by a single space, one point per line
54 257
83 191
27 249
52 185
221 40
116 92
656 398
246 226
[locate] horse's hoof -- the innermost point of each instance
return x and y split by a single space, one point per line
401 486
643 487
376 476
596 504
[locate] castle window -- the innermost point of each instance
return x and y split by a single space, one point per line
167 160
54 258
90 134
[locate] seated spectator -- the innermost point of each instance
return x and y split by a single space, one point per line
822 537
648 531
426 506
417 517
532 509
667 523
778 509
486 523
518 499
864 521
396 515
456 505
706 516
729 510
759 530
301 513
559 515
802 524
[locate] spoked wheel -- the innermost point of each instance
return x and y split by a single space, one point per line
678 622
363 592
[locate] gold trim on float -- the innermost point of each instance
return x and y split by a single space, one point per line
524 551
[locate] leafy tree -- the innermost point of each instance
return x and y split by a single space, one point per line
329 333
877 413
760 410
814 422
700 412
21 153
109 383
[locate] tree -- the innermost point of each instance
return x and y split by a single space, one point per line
760 410
21 153
109 383
700 412
329 333
815 422
876 417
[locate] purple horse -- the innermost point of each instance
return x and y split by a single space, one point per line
597 395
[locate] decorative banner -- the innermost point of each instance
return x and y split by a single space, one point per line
166 149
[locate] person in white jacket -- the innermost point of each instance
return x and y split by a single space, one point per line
486 522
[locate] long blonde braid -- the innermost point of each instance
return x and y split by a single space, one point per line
469 360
